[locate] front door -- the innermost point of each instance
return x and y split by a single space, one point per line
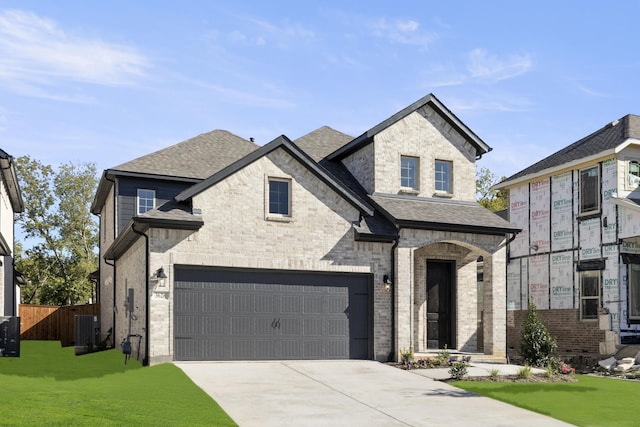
440 304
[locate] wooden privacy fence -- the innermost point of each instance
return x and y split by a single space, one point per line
52 323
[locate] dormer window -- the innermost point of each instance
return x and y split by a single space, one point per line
146 200
409 172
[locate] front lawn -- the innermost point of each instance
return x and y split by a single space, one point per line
591 401
49 385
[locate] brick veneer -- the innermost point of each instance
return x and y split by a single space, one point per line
572 334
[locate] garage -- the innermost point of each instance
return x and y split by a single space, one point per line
241 314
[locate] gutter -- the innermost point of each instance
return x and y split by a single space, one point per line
145 360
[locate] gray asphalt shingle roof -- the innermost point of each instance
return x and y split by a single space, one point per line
322 142
606 138
442 212
198 157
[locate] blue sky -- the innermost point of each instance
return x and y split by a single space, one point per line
106 82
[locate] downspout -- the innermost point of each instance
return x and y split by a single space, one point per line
145 361
115 270
393 300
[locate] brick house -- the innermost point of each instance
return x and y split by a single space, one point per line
10 204
324 247
578 255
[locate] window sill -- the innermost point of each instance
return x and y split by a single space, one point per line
406 190
443 195
276 218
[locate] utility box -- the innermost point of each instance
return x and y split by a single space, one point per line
87 333
10 336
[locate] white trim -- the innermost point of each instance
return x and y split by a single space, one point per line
138 200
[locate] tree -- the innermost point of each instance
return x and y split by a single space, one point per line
494 200
65 237
538 345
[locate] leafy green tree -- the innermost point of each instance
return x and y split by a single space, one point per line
64 235
537 345
494 200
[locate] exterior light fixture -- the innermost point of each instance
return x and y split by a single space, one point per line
386 282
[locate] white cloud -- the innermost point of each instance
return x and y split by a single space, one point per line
483 65
403 32
36 52
279 35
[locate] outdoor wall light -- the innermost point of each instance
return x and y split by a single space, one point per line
160 274
386 281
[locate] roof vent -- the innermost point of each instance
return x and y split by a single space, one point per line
615 122
196 211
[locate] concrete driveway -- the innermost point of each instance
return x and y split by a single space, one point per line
347 393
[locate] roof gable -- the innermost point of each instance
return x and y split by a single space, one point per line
599 142
431 101
285 143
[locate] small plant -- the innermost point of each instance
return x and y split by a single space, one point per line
538 345
442 358
458 370
406 355
549 372
494 373
567 369
525 372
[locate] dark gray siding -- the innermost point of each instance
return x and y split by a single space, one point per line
128 192
237 314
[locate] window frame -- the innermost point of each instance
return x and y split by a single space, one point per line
582 210
585 298
139 198
268 194
633 292
628 175
415 170
449 173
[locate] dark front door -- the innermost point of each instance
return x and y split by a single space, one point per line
440 304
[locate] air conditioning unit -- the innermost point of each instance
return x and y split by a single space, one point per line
9 336
87 336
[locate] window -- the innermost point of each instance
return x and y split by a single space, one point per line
279 197
146 200
443 176
590 190
409 172
634 292
589 294
633 174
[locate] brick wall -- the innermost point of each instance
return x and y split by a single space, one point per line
572 334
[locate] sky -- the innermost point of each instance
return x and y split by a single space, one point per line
106 82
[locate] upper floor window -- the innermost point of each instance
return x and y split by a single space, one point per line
409 172
443 176
589 294
633 174
280 196
146 200
590 190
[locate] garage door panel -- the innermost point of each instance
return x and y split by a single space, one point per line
253 315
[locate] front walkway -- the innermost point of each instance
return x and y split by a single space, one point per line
348 393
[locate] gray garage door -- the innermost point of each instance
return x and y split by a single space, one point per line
234 314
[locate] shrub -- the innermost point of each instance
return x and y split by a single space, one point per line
406 355
537 344
458 370
495 372
525 372
442 358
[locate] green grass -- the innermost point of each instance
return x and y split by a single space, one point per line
592 401
50 386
